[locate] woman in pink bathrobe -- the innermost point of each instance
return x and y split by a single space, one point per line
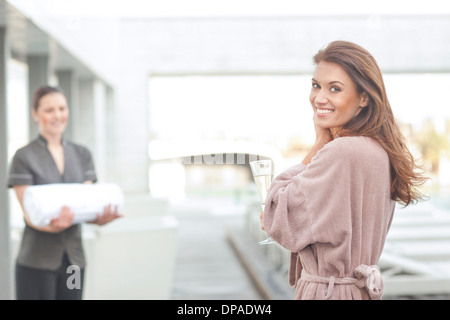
333 210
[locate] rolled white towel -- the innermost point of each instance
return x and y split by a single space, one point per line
44 202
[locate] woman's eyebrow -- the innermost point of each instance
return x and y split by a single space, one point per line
331 82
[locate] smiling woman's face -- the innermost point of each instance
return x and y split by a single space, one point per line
334 97
52 114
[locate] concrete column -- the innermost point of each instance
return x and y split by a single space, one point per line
5 235
84 118
100 131
38 75
111 135
90 121
134 131
68 82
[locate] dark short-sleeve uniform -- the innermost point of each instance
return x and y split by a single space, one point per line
34 165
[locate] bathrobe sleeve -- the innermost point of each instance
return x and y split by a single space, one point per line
311 203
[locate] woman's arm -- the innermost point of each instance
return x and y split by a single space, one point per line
316 147
56 225
323 136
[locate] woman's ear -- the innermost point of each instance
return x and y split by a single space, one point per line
364 102
35 116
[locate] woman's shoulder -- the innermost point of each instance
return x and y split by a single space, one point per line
24 150
355 146
80 148
352 142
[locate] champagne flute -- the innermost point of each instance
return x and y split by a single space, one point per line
262 173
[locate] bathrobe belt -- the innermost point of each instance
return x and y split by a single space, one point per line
368 277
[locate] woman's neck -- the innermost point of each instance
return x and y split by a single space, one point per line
52 140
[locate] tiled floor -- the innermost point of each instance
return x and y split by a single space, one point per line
206 265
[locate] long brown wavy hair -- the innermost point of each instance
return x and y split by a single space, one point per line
377 120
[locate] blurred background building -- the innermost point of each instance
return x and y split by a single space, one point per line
155 85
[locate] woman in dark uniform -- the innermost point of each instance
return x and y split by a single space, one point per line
46 252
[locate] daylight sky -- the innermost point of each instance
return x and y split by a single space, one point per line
159 8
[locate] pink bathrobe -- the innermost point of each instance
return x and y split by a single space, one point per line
333 215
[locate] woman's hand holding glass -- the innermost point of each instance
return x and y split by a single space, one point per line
261 217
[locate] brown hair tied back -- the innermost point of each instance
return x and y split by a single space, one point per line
43 91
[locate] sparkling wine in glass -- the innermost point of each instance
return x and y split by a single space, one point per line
262 173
